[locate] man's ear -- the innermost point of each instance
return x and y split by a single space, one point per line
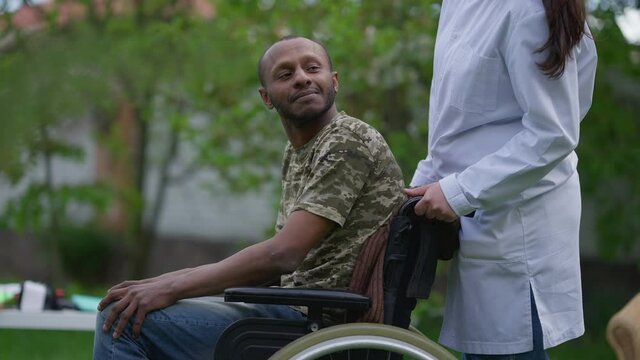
336 82
265 98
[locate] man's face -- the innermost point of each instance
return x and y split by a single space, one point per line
298 81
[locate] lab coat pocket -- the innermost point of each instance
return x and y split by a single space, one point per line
477 76
492 235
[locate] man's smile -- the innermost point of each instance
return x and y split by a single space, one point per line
303 94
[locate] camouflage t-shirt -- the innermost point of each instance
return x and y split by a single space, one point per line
348 175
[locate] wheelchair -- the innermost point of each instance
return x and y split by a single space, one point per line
411 257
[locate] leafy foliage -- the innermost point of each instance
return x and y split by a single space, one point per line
191 86
608 145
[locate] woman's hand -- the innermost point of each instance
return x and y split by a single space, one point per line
433 204
134 299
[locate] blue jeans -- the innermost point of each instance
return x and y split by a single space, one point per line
188 329
538 352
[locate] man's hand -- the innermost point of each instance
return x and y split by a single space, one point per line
136 299
433 204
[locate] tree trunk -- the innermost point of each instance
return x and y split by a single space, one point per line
52 227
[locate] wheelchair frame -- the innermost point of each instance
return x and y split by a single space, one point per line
278 339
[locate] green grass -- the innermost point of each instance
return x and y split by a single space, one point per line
70 345
19 344
583 348
45 344
591 346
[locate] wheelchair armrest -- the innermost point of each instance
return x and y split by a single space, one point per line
311 298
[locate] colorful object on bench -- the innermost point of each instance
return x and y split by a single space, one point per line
8 293
85 302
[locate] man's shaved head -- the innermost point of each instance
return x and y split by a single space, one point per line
285 38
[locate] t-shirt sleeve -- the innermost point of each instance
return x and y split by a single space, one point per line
339 171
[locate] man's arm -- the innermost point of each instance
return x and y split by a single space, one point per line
254 265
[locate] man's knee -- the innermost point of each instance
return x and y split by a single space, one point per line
101 317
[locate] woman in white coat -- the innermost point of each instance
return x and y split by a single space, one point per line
512 81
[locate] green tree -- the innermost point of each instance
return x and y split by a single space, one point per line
189 86
608 147
165 67
382 50
32 110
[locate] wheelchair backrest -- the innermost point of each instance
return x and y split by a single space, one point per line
413 248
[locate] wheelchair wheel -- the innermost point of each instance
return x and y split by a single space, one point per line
363 336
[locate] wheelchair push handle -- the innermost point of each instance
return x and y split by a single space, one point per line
407 208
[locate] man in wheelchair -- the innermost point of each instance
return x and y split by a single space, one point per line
340 188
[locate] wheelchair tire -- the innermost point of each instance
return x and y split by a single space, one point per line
363 336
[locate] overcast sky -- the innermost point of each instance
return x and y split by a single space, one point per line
13 5
629 24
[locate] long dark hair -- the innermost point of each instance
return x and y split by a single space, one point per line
566 19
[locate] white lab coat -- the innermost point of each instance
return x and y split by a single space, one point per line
501 142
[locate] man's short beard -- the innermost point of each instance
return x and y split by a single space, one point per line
301 120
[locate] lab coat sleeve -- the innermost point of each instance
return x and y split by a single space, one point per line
552 112
424 173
